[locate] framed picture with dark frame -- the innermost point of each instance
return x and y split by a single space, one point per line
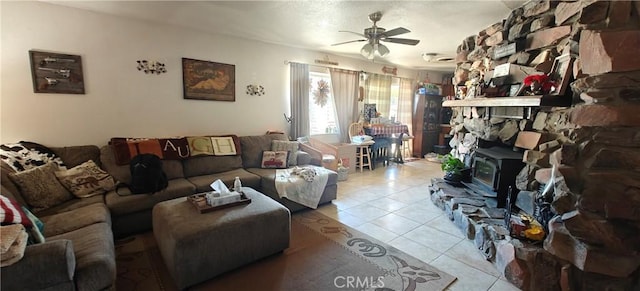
56 73
561 74
204 80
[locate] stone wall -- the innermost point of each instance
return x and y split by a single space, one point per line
594 239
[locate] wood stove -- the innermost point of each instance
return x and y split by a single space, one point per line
493 171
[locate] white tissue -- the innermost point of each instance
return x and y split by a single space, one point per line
220 187
221 194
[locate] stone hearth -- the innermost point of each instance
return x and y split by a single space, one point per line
593 239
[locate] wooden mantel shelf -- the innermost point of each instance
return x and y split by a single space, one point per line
518 101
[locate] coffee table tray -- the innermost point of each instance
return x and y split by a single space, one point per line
200 202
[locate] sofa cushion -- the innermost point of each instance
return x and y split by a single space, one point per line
95 256
205 165
78 218
40 187
203 182
274 159
122 173
290 146
72 204
253 146
76 155
120 205
86 180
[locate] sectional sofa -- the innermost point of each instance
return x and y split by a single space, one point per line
79 250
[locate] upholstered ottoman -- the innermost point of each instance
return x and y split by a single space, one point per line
197 247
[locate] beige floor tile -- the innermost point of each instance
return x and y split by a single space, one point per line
410 195
366 212
415 249
433 238
466 252
418 213
377 232
345 203
502 285
468 278
344 218
396 223
387 204
365 195
443 224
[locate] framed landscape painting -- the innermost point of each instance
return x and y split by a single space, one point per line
204 80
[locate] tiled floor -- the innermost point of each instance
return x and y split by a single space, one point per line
392 204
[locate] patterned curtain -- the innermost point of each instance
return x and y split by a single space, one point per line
345 85
299 99
379 93
405 99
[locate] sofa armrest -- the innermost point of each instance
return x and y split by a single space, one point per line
44 265
316 155
303 158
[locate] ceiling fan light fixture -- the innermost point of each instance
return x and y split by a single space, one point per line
382 50
367 51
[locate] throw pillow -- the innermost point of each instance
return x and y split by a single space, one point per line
11 212
40 187
291 146
86 180
274 159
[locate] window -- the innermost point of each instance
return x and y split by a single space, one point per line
322 109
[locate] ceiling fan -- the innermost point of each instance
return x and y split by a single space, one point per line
374 34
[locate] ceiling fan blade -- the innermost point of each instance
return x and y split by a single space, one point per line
401 40
357 40
353 32
395 31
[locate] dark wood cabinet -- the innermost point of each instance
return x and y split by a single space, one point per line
426 123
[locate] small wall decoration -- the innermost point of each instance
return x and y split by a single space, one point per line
151 67
56 73
255 90
204 80
321 93
390 70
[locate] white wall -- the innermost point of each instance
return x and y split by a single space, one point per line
121 101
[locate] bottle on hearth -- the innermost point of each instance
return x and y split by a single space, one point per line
237 185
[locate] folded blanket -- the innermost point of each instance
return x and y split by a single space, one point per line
174 148
13 241
303 185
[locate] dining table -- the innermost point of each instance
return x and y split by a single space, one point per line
384 136
386 130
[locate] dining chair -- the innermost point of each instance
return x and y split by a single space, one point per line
363 149
406 146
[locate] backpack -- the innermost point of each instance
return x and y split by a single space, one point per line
147 175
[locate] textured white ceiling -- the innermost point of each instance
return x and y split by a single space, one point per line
439 25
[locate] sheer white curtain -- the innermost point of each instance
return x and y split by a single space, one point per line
379 93
345 85
299 99
405 99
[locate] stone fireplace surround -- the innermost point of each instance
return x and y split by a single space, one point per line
594 239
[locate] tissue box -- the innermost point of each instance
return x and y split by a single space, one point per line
213 200
200 201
